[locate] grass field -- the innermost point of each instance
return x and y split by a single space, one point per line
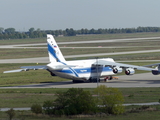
101 47
44 76
29 53
146 115
81 38
27 97
21 78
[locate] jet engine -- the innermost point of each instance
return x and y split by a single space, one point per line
155 72
117 70
129 71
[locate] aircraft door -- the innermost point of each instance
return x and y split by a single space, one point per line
96 71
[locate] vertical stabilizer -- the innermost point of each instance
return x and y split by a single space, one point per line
54 52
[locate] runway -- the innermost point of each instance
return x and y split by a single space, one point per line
78 42
124 81
46 60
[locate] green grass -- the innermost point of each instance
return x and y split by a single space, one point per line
137 56
108 36
28 77
22 53
127 57
140 95
25 97
42 52
136 44
146 115
22 41
81 38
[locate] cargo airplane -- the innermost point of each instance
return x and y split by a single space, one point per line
84 70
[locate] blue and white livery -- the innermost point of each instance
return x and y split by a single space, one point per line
84 70
81 70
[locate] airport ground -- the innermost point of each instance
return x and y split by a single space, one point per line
147 51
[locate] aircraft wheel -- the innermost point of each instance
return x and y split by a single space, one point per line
110 78
95 80
77 81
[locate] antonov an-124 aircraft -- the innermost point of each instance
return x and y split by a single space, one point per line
84 70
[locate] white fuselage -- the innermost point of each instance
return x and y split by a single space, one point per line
80 69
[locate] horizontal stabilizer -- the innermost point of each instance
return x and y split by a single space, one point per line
11 71
34 67
26 68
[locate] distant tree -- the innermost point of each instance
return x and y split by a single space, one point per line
10 33
92 31
70 32
11 113
36 108
82 31
38 29
74 101
86 31
99 31
31 30
48 107
1 29
111 100
10 30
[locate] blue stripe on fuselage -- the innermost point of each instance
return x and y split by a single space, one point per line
84 70
53 53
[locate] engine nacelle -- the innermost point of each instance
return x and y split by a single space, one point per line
129 71
117 70
155 72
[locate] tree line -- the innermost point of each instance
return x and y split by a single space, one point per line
11 33
76 101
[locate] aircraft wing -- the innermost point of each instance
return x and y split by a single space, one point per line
26 68
42 67
129 69
121 65
152 65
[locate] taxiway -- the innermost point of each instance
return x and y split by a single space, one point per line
124 81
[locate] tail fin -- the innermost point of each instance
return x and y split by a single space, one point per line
54 52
